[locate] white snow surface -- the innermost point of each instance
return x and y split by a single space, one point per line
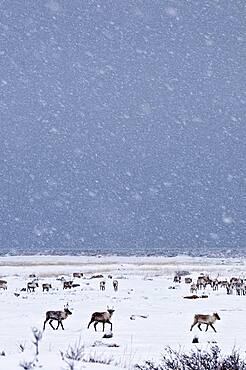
143 291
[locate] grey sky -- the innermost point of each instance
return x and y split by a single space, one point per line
123 124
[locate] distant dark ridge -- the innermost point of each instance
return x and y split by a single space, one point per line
198 252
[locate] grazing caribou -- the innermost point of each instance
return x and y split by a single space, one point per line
31 286
177 279
46 287
193 288
103 317
58 316
234 280
201 282
78 275
67 284
205 319
188 280
223 283
215 284
229 288
3 285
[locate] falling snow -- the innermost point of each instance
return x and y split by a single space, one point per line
122 126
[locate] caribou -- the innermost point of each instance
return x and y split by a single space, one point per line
103 317
67 284
31 286
78 275
58 316
3 285
46 287
193 288
115 285
177 279
205 319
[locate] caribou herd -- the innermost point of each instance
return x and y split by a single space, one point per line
61 315
234 285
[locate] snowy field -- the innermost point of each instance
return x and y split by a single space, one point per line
144 290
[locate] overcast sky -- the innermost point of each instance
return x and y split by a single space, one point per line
122 124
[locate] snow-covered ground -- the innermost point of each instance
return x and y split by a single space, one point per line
143 290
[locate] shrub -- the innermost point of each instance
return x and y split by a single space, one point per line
211 359
73 355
